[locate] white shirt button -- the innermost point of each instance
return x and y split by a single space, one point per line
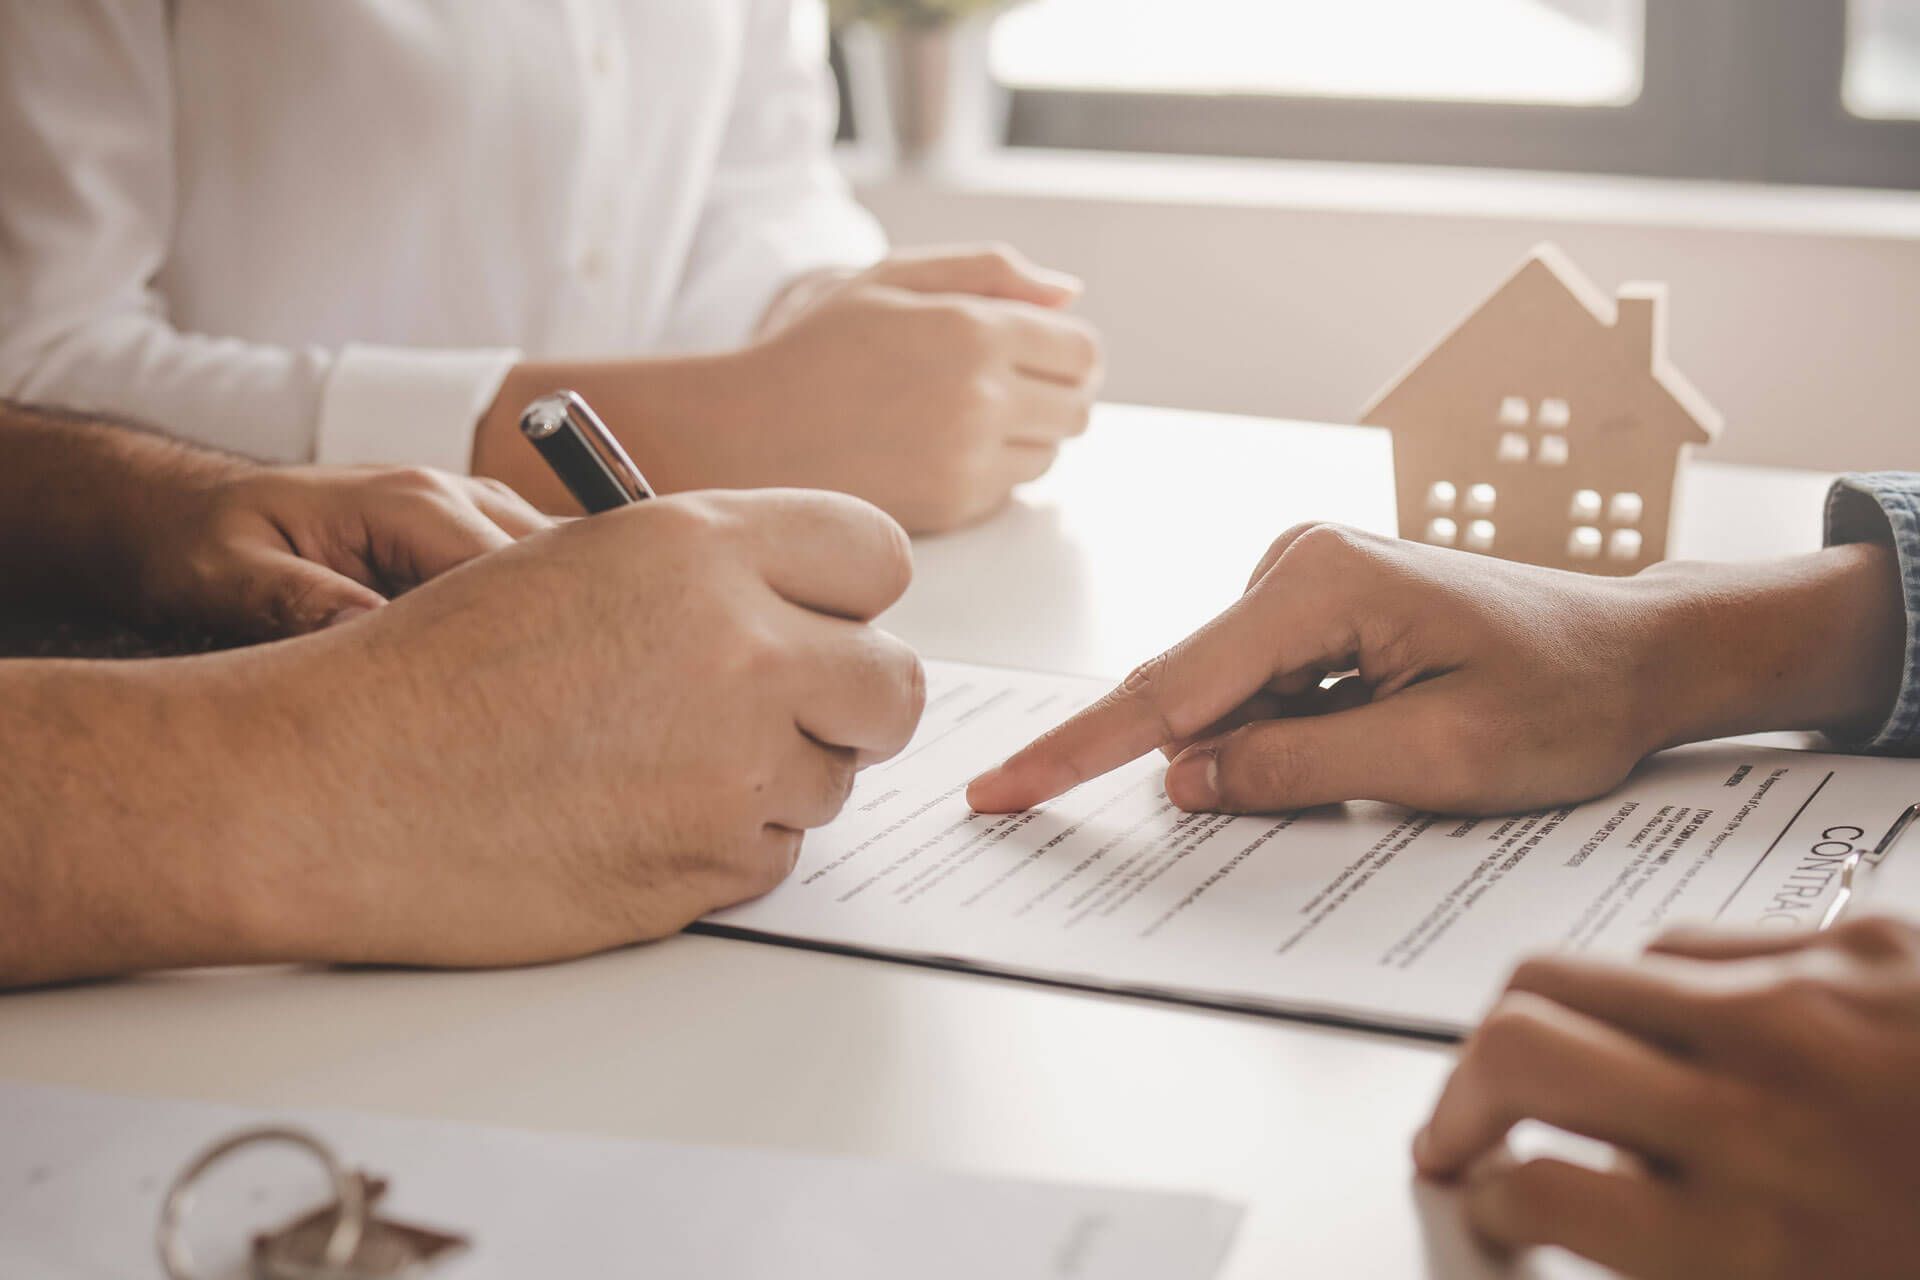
602 60
593 264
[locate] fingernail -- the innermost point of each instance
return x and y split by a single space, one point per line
1193 779
1060 279
348 614
986 782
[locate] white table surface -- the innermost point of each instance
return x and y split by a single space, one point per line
1147 526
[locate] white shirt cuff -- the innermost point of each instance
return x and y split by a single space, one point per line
399 405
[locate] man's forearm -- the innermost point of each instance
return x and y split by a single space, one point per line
1815 642
138 816
78 501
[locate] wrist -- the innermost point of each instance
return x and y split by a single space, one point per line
158 525
178 745
89 504
1812 643
675 415
308 728
799 294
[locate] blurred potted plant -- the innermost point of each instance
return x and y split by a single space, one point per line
917 75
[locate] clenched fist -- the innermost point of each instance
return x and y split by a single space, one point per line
930 385
593 737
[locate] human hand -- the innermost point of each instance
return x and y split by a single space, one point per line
596 736
1759 1090
931 384
1477 685
268 552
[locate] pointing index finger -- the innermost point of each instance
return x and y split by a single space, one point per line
1177 694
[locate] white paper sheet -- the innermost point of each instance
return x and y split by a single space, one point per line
1360 912
82 1176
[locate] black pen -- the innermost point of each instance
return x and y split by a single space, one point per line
583 453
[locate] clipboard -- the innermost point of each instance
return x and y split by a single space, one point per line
1872 859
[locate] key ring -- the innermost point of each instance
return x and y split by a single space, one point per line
348 1194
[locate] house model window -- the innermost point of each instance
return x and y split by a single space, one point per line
1548 426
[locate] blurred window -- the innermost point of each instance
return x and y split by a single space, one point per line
1805 91
1882 79
1577 52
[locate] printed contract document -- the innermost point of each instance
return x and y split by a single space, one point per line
1363 912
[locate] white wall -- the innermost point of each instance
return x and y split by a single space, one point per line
1299 290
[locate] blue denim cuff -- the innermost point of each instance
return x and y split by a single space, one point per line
1884 507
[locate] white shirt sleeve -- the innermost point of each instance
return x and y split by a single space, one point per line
86 218
776 206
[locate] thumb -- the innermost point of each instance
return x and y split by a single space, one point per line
275 593
1381 751
993 271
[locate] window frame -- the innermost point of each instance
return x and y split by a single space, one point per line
1745 90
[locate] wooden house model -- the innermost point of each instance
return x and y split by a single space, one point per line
1548 427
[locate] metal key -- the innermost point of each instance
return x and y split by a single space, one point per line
343 1240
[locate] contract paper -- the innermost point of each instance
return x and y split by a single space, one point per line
1360 913
82 1176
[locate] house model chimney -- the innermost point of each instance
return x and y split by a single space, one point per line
1548 427
1641 322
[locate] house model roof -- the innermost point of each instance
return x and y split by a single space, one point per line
1549 323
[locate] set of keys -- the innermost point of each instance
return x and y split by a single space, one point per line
344 1240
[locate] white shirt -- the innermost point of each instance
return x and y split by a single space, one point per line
324 231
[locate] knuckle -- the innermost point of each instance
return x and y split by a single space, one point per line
418 480
898 681
745 650
837 784
1088 346
291 603
883 548
1081 418
1790 1001
1533 973
989 397
1145 687
1802 991
1877 937
1323 544
1511 1035
968 331
688 520
1286 540
892 567
914 704
1258 769
1001 257
772 859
